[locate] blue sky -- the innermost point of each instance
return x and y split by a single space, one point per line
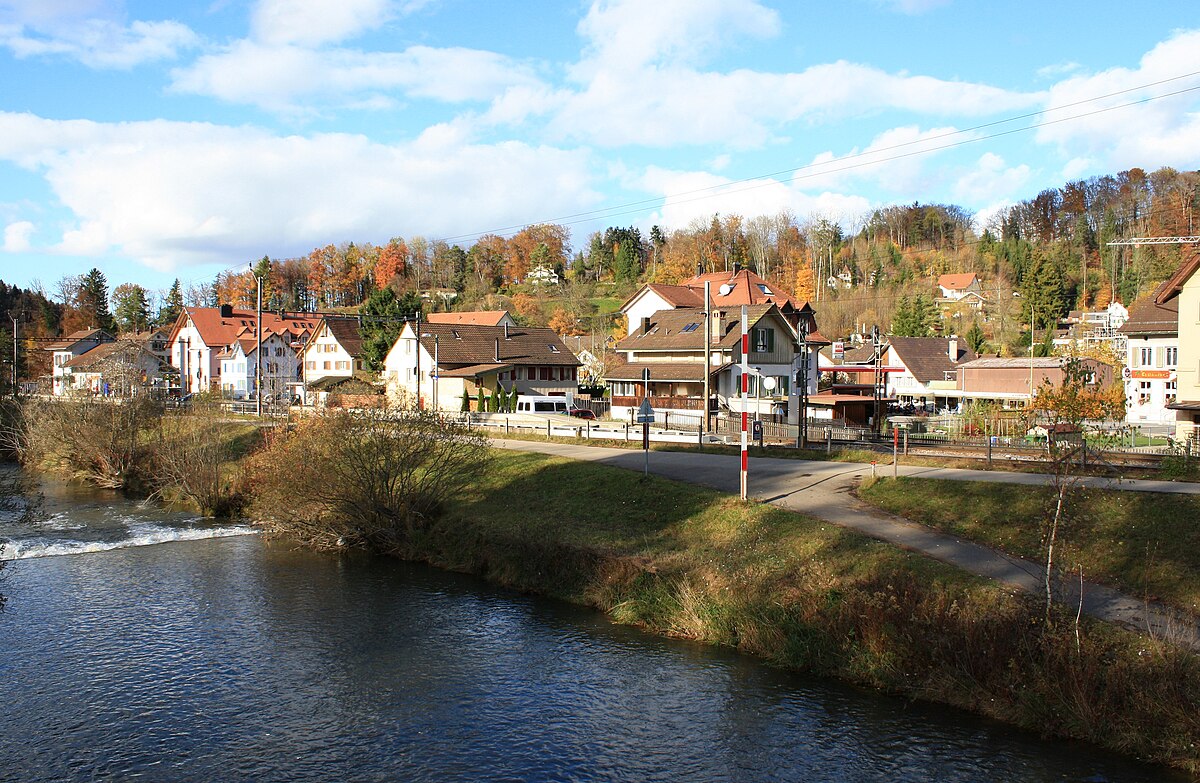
161 140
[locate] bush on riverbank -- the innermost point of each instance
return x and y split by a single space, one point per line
196 459
362 478
694 563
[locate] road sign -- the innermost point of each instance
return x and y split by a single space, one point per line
645 413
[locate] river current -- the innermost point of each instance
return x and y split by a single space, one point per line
222 657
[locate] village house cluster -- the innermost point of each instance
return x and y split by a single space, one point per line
683 345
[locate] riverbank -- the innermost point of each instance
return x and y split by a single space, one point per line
695 563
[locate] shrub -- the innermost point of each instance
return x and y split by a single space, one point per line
194 460
362 479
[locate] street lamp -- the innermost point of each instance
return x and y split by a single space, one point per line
802 386
877 391
436 372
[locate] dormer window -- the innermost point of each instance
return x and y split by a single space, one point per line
762 287
553 348
689 328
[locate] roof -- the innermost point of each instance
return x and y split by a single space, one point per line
470 344
1149 318
348 333
928 358
861 354
477 317
745 288
1174 284
957 282
217 331
1008 363
662 371
74 338
472 370
683 329
123 350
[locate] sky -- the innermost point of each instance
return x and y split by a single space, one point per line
157 141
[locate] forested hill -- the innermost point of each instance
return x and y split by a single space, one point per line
1050 248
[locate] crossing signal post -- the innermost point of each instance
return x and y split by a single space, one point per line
644 417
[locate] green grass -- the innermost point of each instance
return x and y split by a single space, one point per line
691 562
1145 544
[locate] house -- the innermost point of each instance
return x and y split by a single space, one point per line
333 350
955 288
1013 382
477 317
444 360
927 369
1183 287
68 348
541 276
113 369
1151 357
200 334
240 367
154 341
670 344
729 290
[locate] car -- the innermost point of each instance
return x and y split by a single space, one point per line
581 413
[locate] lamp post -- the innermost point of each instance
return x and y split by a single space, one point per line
436 371
802 387
877 391
258 349
417 371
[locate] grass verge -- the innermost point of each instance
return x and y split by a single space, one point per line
1144 544
691 562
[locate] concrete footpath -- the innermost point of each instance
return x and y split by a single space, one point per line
825 490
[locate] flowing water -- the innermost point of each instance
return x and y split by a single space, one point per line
228 658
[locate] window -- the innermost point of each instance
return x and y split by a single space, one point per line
545 374
765 290
689 328
553 348
342 365
310 365
325 365
1145 357
1172 355
782 386
762 340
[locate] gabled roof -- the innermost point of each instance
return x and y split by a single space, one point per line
347 332
928 358
123 350
683 329
471 344
957 282
1016 362
744 288
1174 284
1148 318
83 335
217 331
477 317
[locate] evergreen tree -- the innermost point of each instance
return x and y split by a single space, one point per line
975 338
1042 292
494 400
91 301
131 308
383 316
466 401
480 401
172 306
915 317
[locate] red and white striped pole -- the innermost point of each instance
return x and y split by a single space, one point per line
745 397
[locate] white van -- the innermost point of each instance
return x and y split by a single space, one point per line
529 403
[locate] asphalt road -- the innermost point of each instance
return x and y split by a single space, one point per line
825 490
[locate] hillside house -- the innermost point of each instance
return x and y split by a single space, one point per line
1151 361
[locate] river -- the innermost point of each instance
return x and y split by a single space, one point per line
213 655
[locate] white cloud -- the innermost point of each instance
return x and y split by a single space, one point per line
1160 132
170 194
313 22
991 177
83 31
287 78
689 195
16 236
913 7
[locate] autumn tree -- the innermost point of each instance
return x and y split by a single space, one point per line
564 323
392 263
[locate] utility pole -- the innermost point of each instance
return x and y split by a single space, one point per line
14 367
707 356
258 350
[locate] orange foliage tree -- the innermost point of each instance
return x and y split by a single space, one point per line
564 323
529 309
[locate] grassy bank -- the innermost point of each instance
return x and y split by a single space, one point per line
691 562
1147 545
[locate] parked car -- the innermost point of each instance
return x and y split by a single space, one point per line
581 413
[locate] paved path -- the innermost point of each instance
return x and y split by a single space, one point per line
825 490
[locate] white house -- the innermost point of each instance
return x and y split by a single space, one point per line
334 350
926 369
239 367
444 360
68 348
1151 361
728 291
200 334
117 369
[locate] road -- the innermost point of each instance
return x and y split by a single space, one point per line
825 490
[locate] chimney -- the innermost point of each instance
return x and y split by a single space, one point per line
227 311
699 267
506 337
737 267
953 349
496 358
645 325
716 325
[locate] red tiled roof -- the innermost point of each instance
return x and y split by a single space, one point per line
217 331
476 317
957 282
70 340
745 288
